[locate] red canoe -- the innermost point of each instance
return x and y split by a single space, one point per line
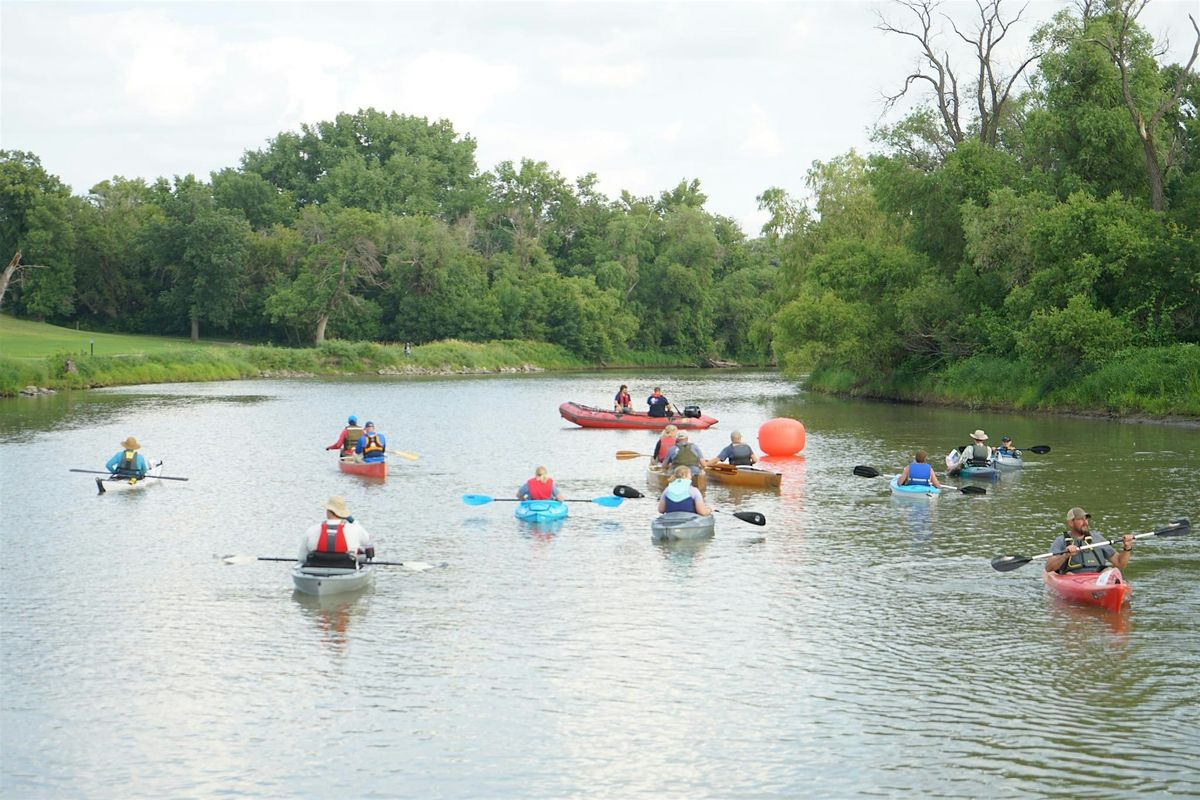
588 417
376 469
1106 589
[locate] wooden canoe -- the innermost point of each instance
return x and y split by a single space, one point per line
752 477
374 469
656 478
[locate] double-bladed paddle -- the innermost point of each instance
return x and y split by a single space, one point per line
1177 527
364 563
114 476
864 471
608 500
753 517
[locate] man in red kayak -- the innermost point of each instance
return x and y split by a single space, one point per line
1070 558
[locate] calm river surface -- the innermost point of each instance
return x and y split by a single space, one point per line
864 647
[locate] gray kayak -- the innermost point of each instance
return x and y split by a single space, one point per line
322 581
677 526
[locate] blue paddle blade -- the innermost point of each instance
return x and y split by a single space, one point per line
476 499
609 501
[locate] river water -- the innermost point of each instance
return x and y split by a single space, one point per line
858 644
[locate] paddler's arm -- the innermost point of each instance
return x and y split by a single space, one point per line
1053 563
1121 557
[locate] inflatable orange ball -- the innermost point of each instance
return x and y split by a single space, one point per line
782 436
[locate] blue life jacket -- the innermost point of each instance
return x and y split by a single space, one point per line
686 504
919 474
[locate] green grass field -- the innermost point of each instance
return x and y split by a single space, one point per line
25 339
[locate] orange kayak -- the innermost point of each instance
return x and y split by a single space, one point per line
375 469
1106 589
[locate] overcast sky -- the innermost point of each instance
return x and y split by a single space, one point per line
742 96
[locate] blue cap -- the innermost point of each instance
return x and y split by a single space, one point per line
370 423
353 420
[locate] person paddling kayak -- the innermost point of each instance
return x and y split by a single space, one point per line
337 539
128 463
539 487
919 473
1069 558
976 454
682 496
348 438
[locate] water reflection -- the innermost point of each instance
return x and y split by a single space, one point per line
331 616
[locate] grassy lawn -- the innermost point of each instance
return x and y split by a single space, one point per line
24 339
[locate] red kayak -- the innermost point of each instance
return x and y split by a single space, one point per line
588 417
376 469
1106 589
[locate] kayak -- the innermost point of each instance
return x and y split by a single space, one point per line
730 475
969 471
913 490
589 417
375 469
677 526
657 478
540 510
115 484
1008 462
1106 589
323 581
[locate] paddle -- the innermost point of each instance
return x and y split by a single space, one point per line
753 517
401 453
374 563
608 501
864 471
114 476
1177 527
625 455
1040 449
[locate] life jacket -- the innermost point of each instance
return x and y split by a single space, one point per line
663 448
128 466
623 399
539 490
919 474
686 456
978 454
686 504
740 453
333 538
353 434
1084 560
373 447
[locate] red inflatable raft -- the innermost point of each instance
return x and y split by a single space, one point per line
1106 589
588 417
376 469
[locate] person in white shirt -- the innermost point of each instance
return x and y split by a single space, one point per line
337 534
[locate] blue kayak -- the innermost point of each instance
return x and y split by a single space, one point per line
541 510
916 490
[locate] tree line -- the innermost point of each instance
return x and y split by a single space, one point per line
1045 212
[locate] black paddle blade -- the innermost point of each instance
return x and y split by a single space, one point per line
753 517
864 471
1176 527
973 490
1009 563
1040 449
627 491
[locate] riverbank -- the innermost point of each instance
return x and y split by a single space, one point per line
1160 384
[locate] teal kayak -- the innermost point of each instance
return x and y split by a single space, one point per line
540 510
913 490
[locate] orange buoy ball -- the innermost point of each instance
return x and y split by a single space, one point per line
782 436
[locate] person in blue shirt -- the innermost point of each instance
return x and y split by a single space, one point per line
737 453
372 446
128 463
919 472
659 405
1006 448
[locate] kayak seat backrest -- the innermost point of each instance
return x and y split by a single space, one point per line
331 560
978 462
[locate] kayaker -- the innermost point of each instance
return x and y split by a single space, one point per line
1069 558
919 472
685 454
539 487
682 496
348 438
371 445
128 463
659 405
1006 448
975 454
664 445
622 402
337 534
736 452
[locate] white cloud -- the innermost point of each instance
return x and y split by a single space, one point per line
606 76
761 138
672 132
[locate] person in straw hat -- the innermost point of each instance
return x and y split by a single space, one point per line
975 454
128 462
336 539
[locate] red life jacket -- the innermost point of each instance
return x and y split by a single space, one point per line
663 448
539 490
333 540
